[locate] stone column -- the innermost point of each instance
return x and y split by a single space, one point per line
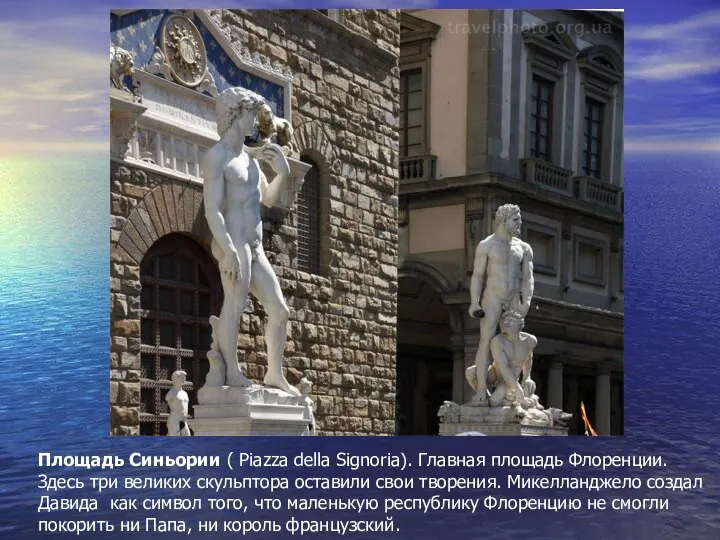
572 404
457 344
419 400
614 284
602 400
555 383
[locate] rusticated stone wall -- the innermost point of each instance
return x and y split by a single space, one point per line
342 331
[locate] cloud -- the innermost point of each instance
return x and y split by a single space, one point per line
677 124
24 125
44 69
98 111
677 68
90 127
674 30
672 51
673 145
35 146
70 73
32 126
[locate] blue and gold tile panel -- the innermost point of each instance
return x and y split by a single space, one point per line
139 32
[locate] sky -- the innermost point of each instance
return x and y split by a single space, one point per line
672 79
54 87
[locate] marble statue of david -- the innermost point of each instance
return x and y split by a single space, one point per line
234 188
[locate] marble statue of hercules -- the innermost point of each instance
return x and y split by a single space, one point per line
234 188
502 281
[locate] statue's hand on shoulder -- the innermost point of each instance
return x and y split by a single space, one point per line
230 265
273 154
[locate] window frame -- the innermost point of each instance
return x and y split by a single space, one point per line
550 232
549 50
404 114
315 261
600 83
590 104
599 245
550 148
416 37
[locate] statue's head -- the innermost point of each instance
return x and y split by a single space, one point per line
238 104
512 321
178 378
508 215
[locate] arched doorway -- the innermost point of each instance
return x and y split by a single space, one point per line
424 357
181 288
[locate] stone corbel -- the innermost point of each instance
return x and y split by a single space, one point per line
293 184
124 112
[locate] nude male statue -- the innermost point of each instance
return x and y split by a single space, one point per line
234 189
177 400
502 280
512 352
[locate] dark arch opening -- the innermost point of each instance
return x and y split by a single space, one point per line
424 356
181 288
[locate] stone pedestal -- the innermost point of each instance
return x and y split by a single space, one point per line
254 410
502 421
500 429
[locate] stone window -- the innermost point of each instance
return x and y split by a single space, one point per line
549 48
543 240
541 118
601 74
180 290
590 260
308 221
412 113
416 37
592 137
169 152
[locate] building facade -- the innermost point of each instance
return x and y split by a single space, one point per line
333 74
523 107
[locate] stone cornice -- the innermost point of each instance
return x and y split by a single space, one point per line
476 182
418 29
559 309
539 38
353 38
617 23
593 311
